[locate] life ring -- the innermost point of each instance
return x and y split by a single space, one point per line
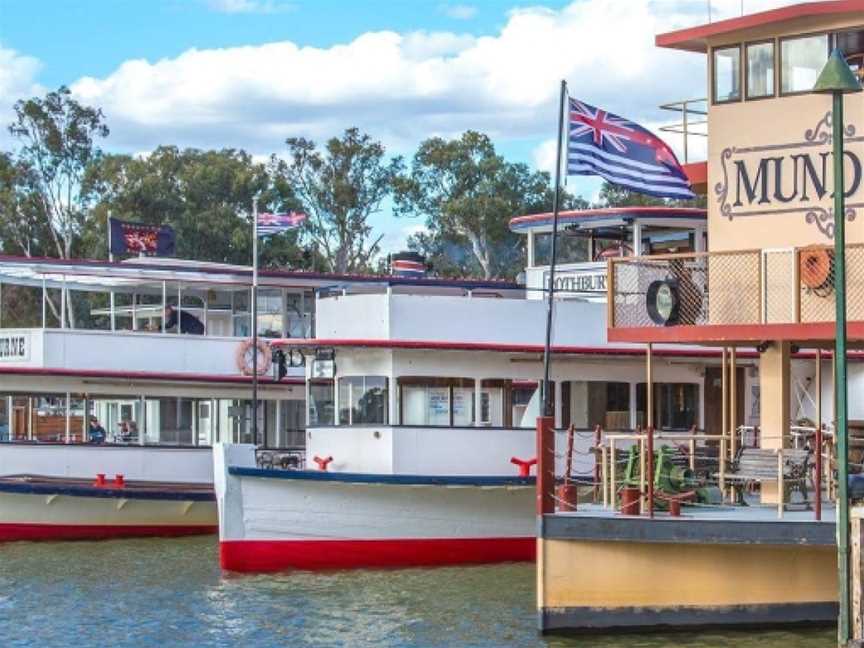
816 267
244 357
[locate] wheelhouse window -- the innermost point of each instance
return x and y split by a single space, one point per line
596 402
322 402
676 405
570 249
851 43
801 61
436 401
727 74
363 400
760 70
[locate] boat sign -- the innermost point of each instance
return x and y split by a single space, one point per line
14 347
579 281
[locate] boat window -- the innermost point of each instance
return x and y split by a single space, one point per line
436 401
363 400
322 404
760 70
727 74
596 402
270 312
851 43
801 61
570 249
676 405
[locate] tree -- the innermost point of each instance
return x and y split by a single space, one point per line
23 229
614 196
58 145
468 193
206 196
340 189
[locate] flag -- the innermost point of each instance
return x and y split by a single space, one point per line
275 223
623 153
139 238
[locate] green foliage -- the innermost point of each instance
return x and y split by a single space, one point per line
206 196
58 144
467 194
340 189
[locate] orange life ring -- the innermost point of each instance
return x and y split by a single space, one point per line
816 267
244 358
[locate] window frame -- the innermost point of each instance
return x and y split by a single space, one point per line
741 91
783 39
775 70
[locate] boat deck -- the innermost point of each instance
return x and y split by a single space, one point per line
48 485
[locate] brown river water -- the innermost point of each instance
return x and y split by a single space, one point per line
172 593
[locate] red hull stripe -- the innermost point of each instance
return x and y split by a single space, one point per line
10 532
276 555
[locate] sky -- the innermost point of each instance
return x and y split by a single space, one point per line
250 73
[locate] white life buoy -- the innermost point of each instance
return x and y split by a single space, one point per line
245 358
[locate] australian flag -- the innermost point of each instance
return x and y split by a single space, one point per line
275 223
623 153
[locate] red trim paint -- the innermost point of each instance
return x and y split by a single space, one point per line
277 555
697 173
694 39
146 375
13 532
434 345
728 333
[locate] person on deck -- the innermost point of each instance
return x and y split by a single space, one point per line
188 322
96 433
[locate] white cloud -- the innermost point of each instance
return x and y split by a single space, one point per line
17 81
250 6
458 11
403 87
396 240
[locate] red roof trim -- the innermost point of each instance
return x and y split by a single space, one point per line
435 345
145 375
693 39
733 333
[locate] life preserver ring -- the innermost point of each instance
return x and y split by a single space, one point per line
816 267
244 357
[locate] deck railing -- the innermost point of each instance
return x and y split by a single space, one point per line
776 286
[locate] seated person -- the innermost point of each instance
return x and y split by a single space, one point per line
96 433
188 322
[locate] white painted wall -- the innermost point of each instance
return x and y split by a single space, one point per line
188 465
354 449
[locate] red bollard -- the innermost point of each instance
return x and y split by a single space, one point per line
119 480
524 465
100 480
322 463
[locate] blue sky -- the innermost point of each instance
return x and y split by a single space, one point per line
249 73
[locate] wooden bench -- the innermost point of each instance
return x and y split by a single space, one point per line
763 465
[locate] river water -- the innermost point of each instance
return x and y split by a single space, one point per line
172 593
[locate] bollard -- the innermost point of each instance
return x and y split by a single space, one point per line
322 463
100 480
119 480
524 465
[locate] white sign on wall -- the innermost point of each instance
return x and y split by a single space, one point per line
590 281
14 347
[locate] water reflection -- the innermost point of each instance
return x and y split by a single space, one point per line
172 593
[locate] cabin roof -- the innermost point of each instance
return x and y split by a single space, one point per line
695 39
603 217
131 272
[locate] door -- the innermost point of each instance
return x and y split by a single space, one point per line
714 395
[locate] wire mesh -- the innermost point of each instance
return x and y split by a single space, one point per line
779 286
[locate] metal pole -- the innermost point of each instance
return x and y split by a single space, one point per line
546 393
111 260
254 318
840 387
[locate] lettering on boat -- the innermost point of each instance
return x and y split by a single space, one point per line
793 178
579 281
14 347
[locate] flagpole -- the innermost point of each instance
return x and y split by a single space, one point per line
548 408
254 318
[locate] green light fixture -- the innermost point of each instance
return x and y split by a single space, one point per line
837 76
837 79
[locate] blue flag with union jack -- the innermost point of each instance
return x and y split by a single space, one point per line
275 223
623 153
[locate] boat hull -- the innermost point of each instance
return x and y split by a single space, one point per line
60 511
272 520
